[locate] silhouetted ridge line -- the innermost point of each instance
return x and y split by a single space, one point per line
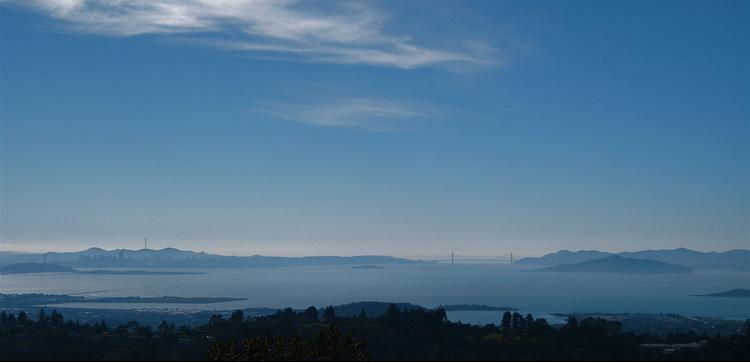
171 257
738 259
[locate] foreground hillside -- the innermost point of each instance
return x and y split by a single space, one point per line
406 335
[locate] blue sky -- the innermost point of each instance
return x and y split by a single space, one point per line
406 128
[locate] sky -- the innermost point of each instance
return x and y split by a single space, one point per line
412 128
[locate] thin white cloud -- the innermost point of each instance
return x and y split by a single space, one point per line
335 32
370 114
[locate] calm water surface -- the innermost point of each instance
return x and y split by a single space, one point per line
429 285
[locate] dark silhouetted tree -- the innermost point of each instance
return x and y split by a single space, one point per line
237 316
529 323
329 314
506 323
311 313
518 322
23 318
166 328
572 325
56 318
215 319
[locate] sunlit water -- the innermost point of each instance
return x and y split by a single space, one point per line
429 285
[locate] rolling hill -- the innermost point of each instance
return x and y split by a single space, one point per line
733 259
618 264
172 257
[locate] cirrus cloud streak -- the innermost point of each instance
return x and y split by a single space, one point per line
328 32
363 113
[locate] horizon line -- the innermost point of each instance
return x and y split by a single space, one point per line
361 255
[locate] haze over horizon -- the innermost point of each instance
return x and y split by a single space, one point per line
423 256
407 129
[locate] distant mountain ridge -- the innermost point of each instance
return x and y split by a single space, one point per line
171 257
738 259
563 257
618 264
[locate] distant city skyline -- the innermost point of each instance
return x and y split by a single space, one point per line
411 129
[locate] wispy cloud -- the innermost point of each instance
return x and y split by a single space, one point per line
334 32
369 114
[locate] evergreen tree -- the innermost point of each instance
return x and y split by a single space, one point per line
237 316
329 314
166 328
311 313
56 318
572 325
23 318
518 322
440 314
529 323
393 314
506 322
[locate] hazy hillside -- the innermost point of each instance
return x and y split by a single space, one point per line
619 264
563 256
22 268
733 259
171 257
742 293
684 256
